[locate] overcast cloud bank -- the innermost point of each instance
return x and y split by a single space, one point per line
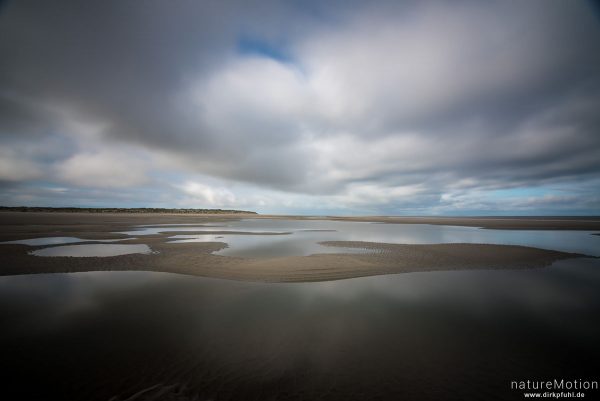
291 107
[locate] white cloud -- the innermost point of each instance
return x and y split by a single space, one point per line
387 66
206 196
104 169
16 167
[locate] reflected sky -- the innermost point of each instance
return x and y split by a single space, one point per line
298 243
411 336
280 238
161 228
92 250
305 235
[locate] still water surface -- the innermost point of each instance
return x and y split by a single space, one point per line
301 237
93 250
265 238
425 336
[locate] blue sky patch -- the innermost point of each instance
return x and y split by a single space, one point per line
249 46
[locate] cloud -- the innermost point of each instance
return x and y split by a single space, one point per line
12 168
101 170
377 106
202 194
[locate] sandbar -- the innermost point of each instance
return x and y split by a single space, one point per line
197 258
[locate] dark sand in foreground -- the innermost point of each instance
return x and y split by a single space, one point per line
197 259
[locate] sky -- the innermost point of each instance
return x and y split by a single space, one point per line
302 107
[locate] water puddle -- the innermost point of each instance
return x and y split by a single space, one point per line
406 336
268 238
301 243
256 237
93 250
159 229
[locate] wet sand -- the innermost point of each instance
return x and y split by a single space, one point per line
197 259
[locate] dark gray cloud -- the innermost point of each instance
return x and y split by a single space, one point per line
363 103
125 66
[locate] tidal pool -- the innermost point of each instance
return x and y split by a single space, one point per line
299 243
92 250
263 238
301 237
417 336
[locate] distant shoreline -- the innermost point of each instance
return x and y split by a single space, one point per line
28 209
41 215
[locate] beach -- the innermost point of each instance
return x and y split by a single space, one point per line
251 308
198 259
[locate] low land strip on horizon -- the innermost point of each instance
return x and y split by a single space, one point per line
42 209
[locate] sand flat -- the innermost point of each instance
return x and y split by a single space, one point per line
197 258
